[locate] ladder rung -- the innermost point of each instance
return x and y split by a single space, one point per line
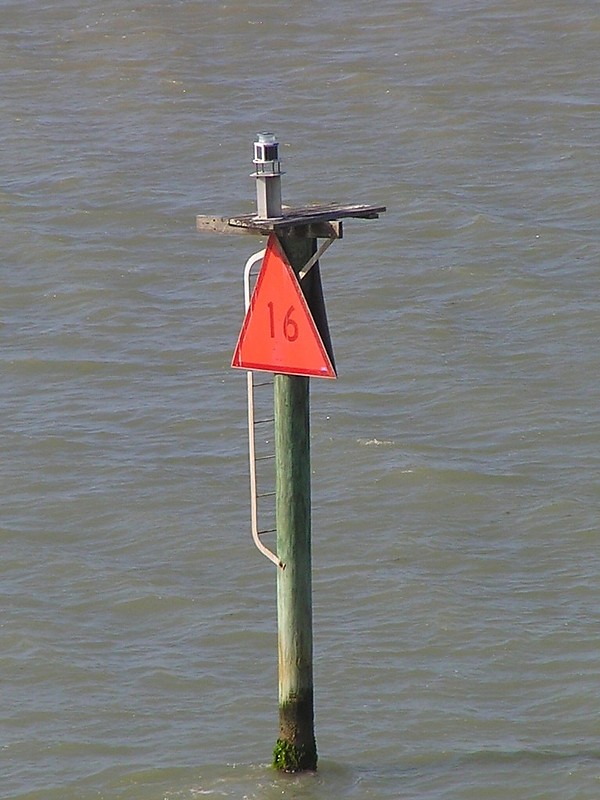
263 383
269 530
263 421
265 458
266 494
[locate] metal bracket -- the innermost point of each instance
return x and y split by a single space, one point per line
313 259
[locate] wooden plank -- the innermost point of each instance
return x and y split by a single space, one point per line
310 214
322 229
208 223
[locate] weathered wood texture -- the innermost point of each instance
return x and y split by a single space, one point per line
294 583
319 221
293 515
308 214
309 230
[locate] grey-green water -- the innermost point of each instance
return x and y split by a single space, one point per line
456 467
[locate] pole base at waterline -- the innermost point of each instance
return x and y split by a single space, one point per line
287 757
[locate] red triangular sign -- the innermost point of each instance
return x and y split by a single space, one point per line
279 333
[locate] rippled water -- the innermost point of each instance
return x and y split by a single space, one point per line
455 460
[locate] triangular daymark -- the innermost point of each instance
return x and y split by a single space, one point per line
279 333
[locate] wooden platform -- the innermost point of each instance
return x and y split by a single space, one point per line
322 221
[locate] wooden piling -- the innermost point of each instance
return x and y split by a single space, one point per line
296 748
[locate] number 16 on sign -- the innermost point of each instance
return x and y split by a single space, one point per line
290 326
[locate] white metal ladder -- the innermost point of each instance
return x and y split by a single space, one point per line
260 457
